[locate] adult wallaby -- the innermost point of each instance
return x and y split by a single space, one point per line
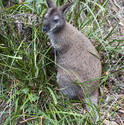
77 59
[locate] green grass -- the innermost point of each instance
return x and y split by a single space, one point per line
28 88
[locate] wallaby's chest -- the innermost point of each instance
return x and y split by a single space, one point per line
56 42
52 41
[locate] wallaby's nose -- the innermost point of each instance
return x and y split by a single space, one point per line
45 28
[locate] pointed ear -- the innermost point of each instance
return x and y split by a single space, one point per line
50 3
65 7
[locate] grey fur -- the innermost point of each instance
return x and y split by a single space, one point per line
75 62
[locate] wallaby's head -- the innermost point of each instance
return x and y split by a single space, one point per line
54 19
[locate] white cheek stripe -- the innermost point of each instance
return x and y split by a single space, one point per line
52 28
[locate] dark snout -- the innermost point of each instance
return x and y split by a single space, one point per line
45 28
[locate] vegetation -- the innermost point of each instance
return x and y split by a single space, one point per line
28 89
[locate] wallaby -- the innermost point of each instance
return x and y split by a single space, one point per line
77 62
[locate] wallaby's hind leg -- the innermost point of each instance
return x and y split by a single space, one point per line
91 106
70 90
67 87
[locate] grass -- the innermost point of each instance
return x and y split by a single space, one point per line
28 89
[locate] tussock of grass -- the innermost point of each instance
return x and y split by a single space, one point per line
28 89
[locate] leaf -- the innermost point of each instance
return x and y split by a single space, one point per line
41 120
53 95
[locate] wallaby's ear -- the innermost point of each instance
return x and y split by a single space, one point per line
66 6
50 3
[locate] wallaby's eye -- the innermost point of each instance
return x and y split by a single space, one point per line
56 19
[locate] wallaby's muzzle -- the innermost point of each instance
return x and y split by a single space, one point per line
45 28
